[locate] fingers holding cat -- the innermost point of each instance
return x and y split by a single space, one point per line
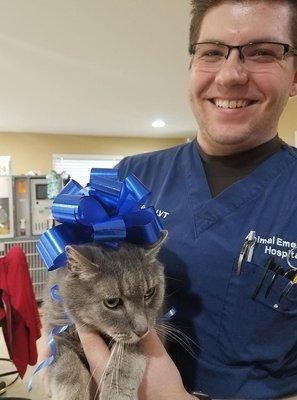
161 380
96 351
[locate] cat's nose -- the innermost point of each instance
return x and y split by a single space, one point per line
141 332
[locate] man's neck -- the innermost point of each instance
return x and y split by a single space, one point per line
225 149
222 171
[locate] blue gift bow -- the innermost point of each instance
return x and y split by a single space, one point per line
107 210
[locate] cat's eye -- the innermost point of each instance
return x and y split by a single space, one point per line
149 293
112 303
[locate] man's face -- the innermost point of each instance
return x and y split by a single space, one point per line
228 130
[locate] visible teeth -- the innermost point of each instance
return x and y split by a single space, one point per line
230 103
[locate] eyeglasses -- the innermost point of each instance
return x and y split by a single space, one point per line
210 56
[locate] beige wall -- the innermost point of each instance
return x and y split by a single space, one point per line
34 152
288 122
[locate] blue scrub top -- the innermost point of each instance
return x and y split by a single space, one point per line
244 348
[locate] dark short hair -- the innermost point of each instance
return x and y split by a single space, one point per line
201 7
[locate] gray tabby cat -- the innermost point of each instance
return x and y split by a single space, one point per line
117 293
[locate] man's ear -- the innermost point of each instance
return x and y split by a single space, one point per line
293 91
191 62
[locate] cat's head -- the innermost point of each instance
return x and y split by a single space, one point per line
117 292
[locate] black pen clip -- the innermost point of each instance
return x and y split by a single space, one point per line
269 265
278 271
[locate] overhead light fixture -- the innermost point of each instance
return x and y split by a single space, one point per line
158 124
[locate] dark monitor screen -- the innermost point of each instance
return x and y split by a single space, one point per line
41 191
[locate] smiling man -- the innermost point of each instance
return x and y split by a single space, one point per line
230 198
238 94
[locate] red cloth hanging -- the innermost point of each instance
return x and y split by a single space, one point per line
20 318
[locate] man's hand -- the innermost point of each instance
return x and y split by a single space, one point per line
96 351
161 381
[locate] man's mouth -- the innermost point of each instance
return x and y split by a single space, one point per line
232 104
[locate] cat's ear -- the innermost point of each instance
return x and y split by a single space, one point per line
80 260
153 250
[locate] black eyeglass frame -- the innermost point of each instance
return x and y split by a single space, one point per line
288 49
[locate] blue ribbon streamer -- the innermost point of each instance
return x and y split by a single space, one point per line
107 211
53 347
55 295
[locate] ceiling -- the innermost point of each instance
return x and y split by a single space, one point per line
101 67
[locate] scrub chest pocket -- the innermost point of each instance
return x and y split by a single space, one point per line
260 330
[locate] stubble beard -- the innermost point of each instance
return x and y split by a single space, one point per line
216 137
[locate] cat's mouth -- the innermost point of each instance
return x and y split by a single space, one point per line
129 338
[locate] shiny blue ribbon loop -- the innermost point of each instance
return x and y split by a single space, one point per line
107 211
169 314
107 173
55 295
105 184
114 229
65 207
133 195
51 245
143 227
72 187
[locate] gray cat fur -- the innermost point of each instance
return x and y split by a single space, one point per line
94 273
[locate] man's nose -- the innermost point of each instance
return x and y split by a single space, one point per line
232 72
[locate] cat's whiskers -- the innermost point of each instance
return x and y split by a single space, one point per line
90 381
172 279
115 356
122 358
113 340
104 372
169 336
116 346
167 326
176 335
171 293
89 384
118 363
117 367
77 328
